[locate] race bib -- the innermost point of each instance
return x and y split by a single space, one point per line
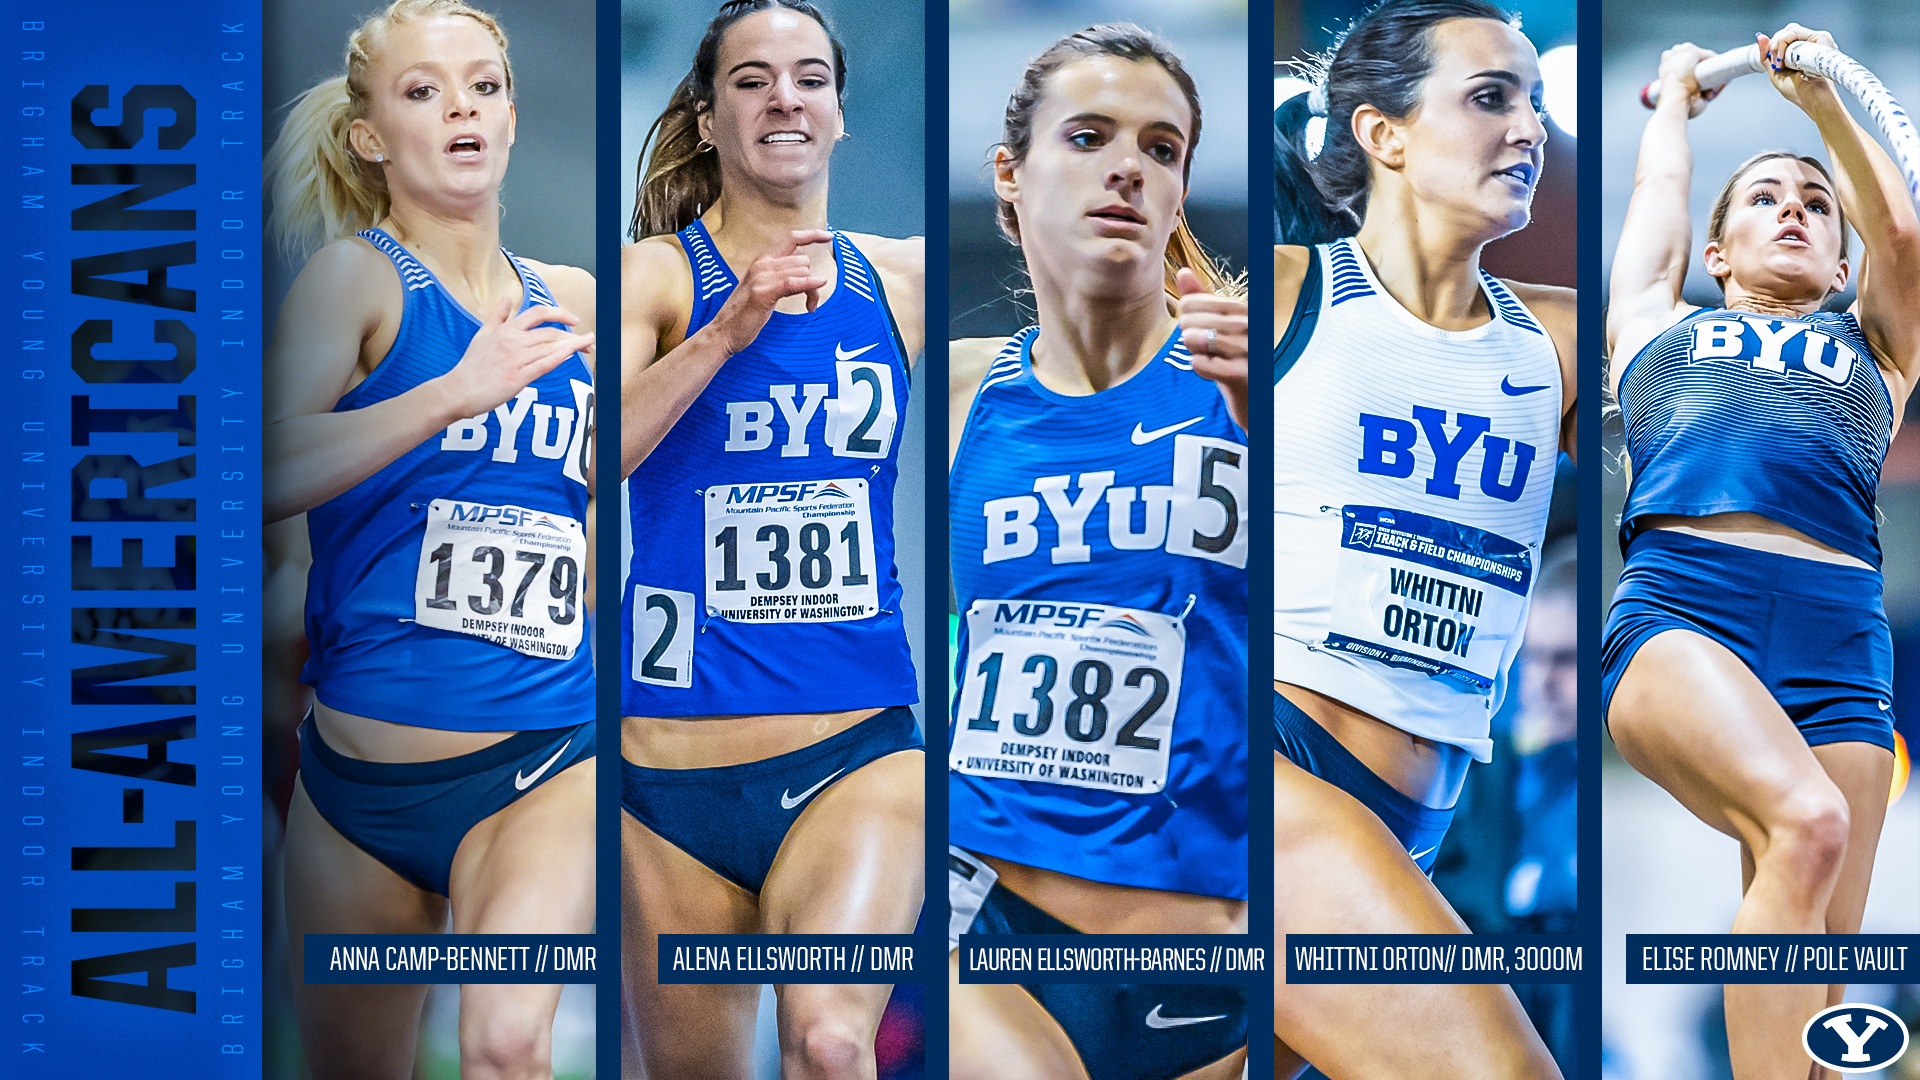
791 552
507 574
1076 694
1424 593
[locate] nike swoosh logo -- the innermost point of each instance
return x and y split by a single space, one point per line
788 802
524 782
1418 855
1511 390
1883 706
1155 1020
842 354
1142 437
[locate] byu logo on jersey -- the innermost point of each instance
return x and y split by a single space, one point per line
1734 339
559 432
859 420
1390 446
1198 514
1854 1038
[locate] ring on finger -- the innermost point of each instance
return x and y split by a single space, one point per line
1211 334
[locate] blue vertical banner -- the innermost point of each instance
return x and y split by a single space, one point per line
130 431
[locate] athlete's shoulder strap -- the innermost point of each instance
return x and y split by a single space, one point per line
537 292
711 276
413 273
1306 313
1008 364
1507 306
857 272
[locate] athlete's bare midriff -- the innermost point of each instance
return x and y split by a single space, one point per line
1746 529
707 742
1428 772
1097 907
367 739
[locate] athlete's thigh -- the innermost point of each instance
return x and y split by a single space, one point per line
997 1031
1864 774
1691 717
332 887
855 860
1337 869
529 869
700 1032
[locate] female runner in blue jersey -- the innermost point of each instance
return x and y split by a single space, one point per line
427 390
1453 392
772 776
1098 754
1747 665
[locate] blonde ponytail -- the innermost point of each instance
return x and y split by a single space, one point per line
320 188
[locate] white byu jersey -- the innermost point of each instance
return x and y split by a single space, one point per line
1413 471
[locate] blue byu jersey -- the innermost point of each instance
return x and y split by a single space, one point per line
1099 557
1785 418
763 578
446 588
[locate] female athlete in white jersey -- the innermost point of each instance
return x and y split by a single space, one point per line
734 196
1767 716
1453 392
1091 178
407 812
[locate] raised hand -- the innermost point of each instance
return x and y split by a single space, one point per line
1214 330
771 279
1799 87
1676 76
509 352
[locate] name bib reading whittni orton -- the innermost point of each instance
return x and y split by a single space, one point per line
1424 593
1069 693
505 574
795 551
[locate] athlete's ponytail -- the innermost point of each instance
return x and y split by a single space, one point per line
321 189
1381 60
681 178
1128 42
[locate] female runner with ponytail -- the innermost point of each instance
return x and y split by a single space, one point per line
1098 483
772 775
1419 407
1747 666
431 412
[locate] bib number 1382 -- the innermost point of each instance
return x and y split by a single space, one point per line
1076 694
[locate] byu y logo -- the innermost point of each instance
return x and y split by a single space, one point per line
1855 1038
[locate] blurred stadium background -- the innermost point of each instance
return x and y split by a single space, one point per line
1662 870
1510 861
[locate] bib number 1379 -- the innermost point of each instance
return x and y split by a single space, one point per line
503 573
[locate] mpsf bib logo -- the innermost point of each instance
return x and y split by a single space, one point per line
1855 1038
762 494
